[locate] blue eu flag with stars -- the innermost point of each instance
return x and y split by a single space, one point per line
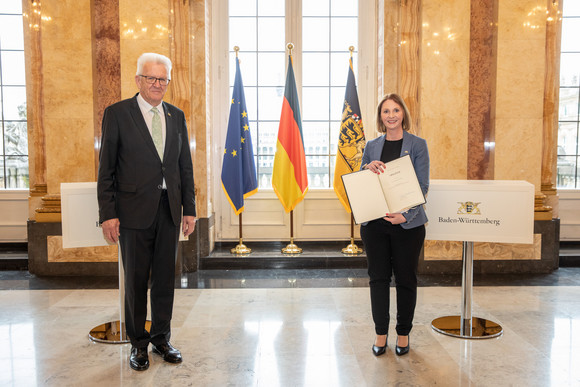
239 179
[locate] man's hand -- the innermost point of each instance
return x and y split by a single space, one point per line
188 225
111 230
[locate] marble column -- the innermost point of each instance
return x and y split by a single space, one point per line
32 20
106 41
549 207
189 26
389 48
181 56
482 83
410 65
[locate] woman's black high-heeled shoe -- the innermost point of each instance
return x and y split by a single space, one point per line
378 351
400 351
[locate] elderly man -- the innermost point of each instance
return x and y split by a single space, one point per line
145 184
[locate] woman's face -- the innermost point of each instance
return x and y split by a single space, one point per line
392 115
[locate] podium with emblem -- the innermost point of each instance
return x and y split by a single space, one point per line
498 211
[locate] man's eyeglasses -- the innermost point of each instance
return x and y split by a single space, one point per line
152 80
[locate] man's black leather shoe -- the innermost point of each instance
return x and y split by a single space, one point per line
139 360
168 352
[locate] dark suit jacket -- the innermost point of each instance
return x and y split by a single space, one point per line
416 148
131 173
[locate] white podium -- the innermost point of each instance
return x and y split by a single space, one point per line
80 228
471 211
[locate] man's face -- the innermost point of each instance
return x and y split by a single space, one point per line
152 93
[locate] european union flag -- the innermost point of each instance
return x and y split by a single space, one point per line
238 169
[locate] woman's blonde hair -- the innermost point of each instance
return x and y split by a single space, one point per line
396 98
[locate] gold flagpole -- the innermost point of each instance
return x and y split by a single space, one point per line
240 249
291 248
352 248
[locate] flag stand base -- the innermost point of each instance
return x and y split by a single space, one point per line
352 249
241 249
291 248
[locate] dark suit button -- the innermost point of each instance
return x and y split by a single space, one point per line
163 169
160 186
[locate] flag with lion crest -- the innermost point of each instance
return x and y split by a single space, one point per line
351 141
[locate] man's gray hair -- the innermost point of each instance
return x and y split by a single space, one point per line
149 57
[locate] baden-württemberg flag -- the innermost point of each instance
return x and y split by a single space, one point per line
289 177
351 141
238 170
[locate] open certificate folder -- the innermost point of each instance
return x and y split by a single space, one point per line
372 196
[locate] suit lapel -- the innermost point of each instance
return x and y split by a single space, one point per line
406 146
378 149
142 126
169 129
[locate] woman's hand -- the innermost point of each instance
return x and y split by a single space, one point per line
395 218
376 166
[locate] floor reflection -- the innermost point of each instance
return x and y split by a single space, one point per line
321 367
565 351
18 355
266 366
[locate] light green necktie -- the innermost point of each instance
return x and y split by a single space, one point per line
156 132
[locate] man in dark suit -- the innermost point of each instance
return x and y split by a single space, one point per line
145 183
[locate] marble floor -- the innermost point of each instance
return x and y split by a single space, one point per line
292 329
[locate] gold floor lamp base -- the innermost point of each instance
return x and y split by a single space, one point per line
477 328
112 332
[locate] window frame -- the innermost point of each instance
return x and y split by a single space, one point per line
320 216
565 160
6 85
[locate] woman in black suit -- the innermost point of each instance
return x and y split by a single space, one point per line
393 243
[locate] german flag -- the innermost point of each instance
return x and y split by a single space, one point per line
289 177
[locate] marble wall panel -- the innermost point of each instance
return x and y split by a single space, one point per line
69 157
445 86
520 79
522 20
447 141
144 27
56 253
453 251
69 20
518 149
520 90
67 93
